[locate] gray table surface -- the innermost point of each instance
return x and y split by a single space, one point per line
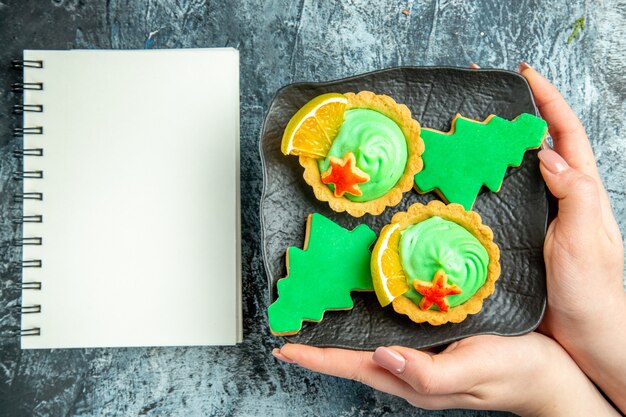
280 43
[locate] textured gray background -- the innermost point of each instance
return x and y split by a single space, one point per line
282 42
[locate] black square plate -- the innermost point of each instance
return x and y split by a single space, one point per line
517 214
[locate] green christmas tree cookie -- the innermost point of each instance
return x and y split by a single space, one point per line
320 277
457 163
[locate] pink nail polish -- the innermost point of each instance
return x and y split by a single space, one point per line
546 145
552 161
389 359
280 356
523 67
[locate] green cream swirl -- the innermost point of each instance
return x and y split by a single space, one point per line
436 244
379 147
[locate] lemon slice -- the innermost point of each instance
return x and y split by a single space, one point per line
311 131
387 273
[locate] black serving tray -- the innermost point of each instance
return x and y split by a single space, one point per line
517 214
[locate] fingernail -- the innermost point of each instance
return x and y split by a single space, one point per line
552 161
389 359
474 66
523 67
280 356
546 144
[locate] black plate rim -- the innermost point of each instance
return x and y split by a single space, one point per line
551 204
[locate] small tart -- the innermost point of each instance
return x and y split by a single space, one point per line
401 115
388 250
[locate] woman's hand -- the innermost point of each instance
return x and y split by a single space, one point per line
583 251
528 375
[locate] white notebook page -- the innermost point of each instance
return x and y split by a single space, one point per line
140 198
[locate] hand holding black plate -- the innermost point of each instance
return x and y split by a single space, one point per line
517 214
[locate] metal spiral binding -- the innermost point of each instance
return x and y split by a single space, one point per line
20 153
21 131
20 87
34 241
35 331
27 108
26 63
31 263
23 175
35 308
35 218
31 285
27 196
31 175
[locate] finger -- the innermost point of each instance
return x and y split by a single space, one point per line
276 353
360 367
349 364
474 66
568 134
445 374
570 139
578 193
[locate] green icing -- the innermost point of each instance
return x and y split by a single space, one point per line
458 164
379 147
436 244
321 277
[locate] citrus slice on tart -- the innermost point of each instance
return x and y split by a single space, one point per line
387 274
311 131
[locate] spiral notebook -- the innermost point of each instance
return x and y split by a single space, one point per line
130 196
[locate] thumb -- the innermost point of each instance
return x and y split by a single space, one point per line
578 194
443 374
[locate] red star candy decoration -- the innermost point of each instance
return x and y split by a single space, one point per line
435 292
345 175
